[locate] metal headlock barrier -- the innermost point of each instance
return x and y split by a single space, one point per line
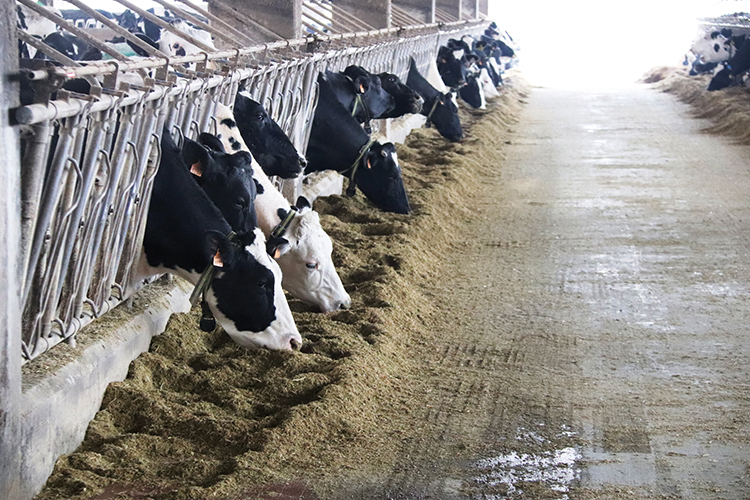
88 161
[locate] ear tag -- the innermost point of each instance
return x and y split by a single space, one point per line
368 164
217 260
276 254
196 169
361 89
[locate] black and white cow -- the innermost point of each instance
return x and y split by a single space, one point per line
711 47
735 67
337 142
268 144
407 100
439 107
303 247
185 232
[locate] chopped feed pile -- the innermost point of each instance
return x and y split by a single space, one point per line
199 417
728 109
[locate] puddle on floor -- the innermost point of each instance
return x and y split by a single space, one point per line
506 476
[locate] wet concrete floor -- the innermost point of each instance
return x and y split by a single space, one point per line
646 223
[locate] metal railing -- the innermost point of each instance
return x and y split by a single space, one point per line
88 162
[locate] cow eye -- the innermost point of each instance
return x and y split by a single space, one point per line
240 203
259 117
311 265
383 154
176 46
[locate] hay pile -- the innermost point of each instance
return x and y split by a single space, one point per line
727 109
199 417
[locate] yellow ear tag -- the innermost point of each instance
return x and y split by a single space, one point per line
276 253
217 260
196 169
368 164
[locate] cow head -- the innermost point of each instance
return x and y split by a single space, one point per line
379 179
450 68
270 146
472 93
378 101
407 100
711 47
226 178
305 260
445 117
246 297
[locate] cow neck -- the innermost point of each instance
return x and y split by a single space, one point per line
359 102
282 227
207 321
428 123
351 188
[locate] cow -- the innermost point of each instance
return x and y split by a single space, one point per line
185 233
227 179
337 142
361 93
293 233
268 144
438 107
407 100
735 67
711 47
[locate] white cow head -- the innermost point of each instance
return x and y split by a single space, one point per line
712 46
305 260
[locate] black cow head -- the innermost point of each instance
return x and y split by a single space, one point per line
379 179
450 68
226 178
407 100
445 118
267 142
378 101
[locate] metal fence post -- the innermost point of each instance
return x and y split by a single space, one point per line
10 265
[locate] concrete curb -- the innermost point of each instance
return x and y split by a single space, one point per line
57 408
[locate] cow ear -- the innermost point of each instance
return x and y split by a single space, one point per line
361 84
276 246
196 157
302 203
211 142
258 186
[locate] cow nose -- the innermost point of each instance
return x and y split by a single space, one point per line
302 161
345 305
295 345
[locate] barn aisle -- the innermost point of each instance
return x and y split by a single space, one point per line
592 339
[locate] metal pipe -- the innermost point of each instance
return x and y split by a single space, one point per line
198 23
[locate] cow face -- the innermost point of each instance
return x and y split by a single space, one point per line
711 47
378 101
445 118
306 264
472 93
407 100
450 68
226 179
379 179
246 297
271 148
